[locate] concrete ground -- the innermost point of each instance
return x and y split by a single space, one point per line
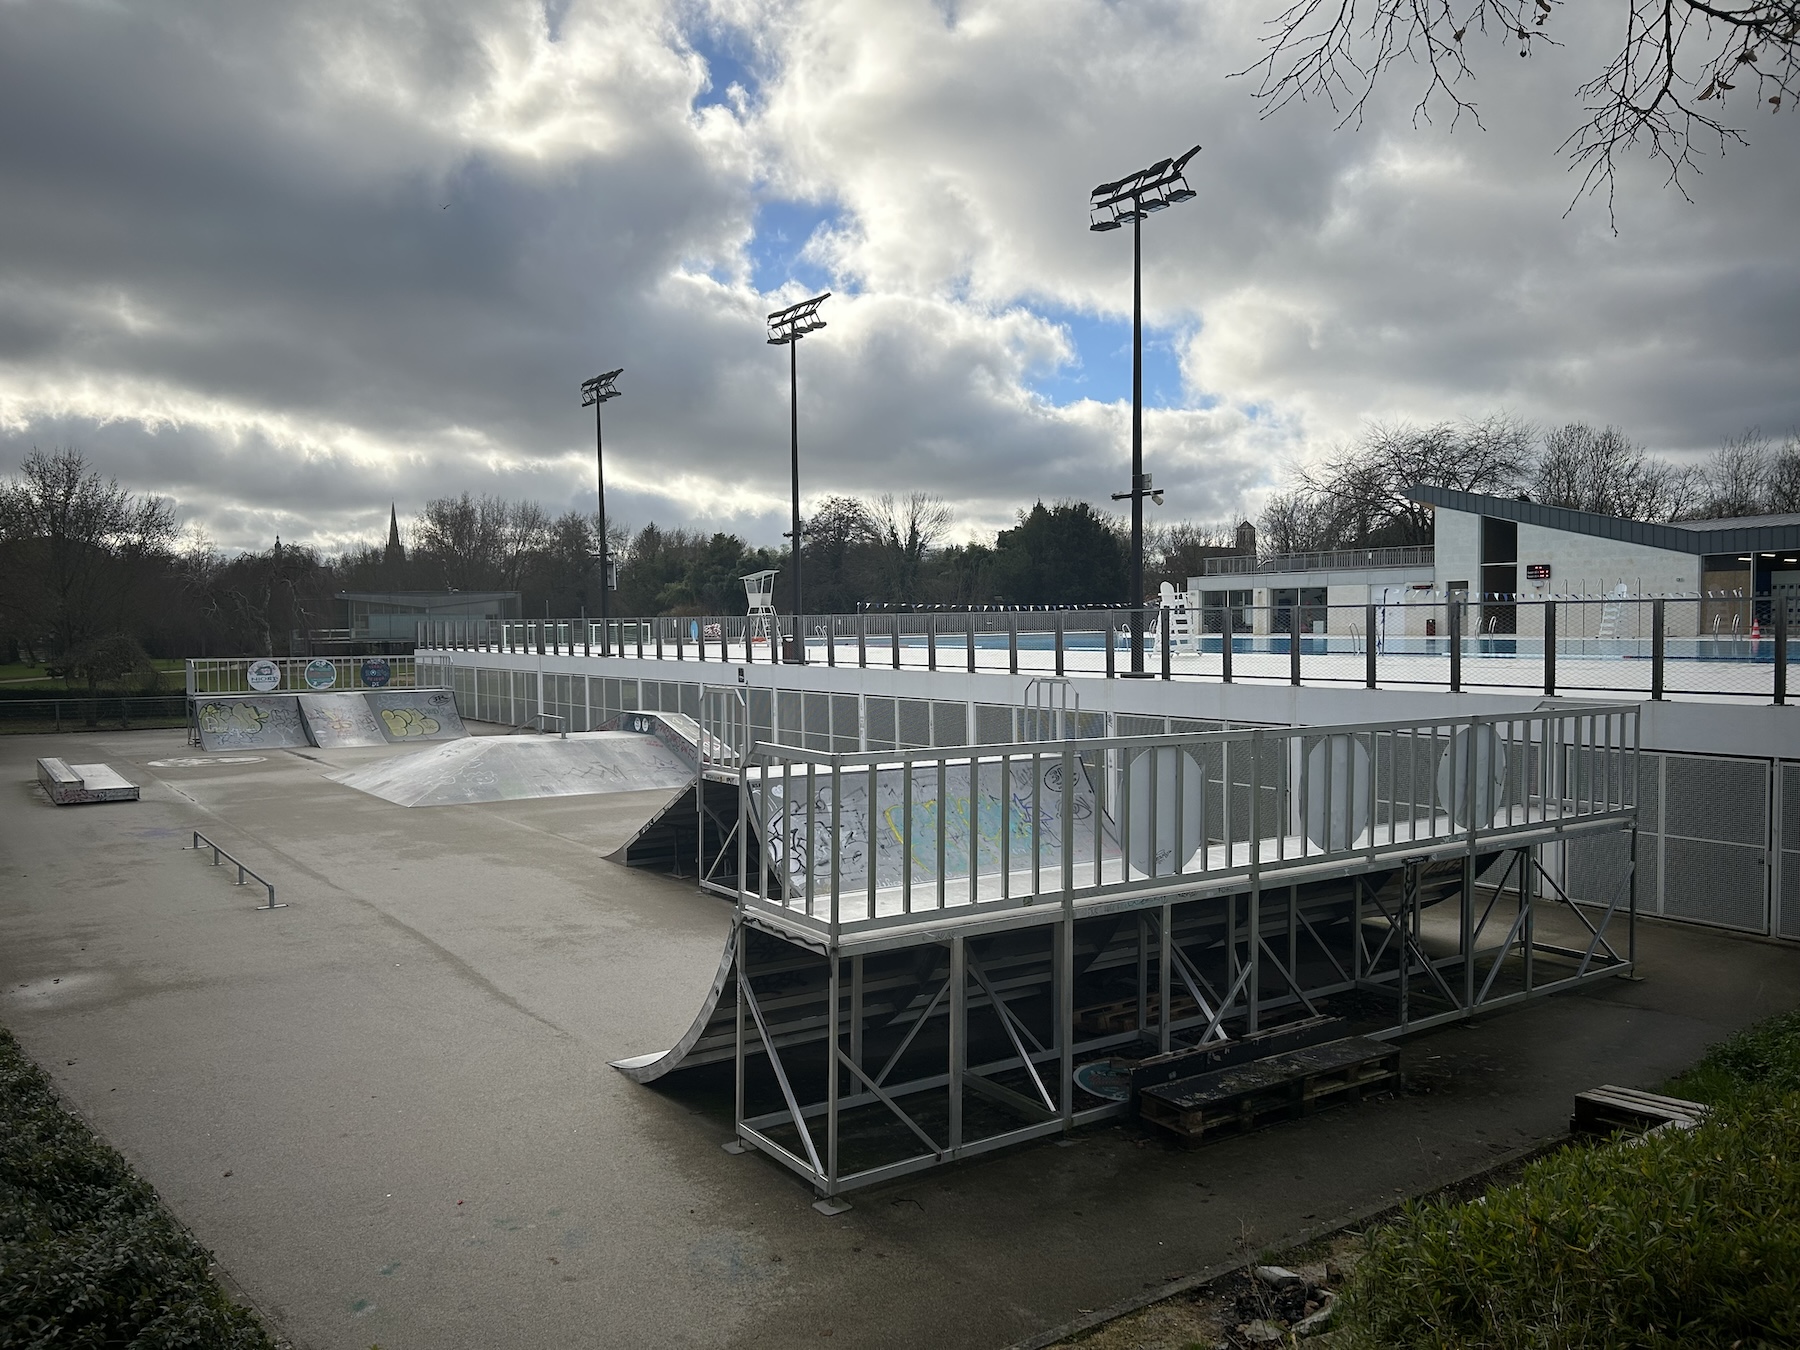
387 1107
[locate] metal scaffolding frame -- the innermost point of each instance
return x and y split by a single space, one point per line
934 1000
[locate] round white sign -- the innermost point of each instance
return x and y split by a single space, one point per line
263 676
321 674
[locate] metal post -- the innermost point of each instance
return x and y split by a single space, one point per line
600 500
1064 945
1550 649
794 452
1453 621
1294 645
832 1088
1137 440
1166 626
1164 984
971 642
1012 642
1632 897
831 640
1226 640
1369 646
1781 650
1059 642
894 637
862 658
1110 661
931 642
1657 648
959 1039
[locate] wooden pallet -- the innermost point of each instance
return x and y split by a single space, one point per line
1609 1110
1104 1019
1279 1087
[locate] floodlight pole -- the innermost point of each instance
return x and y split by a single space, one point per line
597 391
786 328
1137 445
794 471
1152 189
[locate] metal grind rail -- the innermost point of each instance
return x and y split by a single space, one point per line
242 870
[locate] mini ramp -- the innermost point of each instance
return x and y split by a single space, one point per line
409 715
514 768
329 720
340 720
250 722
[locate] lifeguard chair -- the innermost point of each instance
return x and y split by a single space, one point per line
759 592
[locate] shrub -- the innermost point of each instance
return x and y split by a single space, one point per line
1766 1057
1686 1239
88 1255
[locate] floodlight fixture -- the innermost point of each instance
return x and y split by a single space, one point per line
786 328
796 321
594 393
1129 201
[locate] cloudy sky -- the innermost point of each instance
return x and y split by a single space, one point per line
286 263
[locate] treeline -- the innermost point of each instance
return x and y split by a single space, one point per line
1355 497
95 580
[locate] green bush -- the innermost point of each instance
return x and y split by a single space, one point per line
1686 1239
88 1255
1766 1057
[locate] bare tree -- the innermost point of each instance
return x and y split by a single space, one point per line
76 549
1606 472
904 532
1750 476
1665 88
1357 496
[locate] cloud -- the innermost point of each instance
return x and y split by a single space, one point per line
287 265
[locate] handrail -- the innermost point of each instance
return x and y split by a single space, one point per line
243 871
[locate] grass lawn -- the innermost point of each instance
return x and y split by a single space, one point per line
20 676
88 1254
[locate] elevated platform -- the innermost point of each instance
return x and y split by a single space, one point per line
929 945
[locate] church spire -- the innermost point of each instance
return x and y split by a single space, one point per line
396 551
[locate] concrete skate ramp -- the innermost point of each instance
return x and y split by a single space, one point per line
513 768
409 715
250 722
335 720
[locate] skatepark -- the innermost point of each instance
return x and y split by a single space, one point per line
390 1108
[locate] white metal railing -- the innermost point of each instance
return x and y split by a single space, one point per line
853 842
301 674
1714 644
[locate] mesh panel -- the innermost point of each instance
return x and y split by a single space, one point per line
690 700
670 698
790 710
1130 724
1723 799
762 727
815 709
914 720
652 696
1187 725
1596 869
1714 883
993 724
846 735
949 724
878 717
1790 851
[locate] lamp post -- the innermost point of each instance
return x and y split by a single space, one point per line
1110 206
786 328
594 392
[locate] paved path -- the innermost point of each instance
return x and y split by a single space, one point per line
404 1075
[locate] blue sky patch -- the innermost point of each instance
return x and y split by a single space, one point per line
1101 369
782 229
728 61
